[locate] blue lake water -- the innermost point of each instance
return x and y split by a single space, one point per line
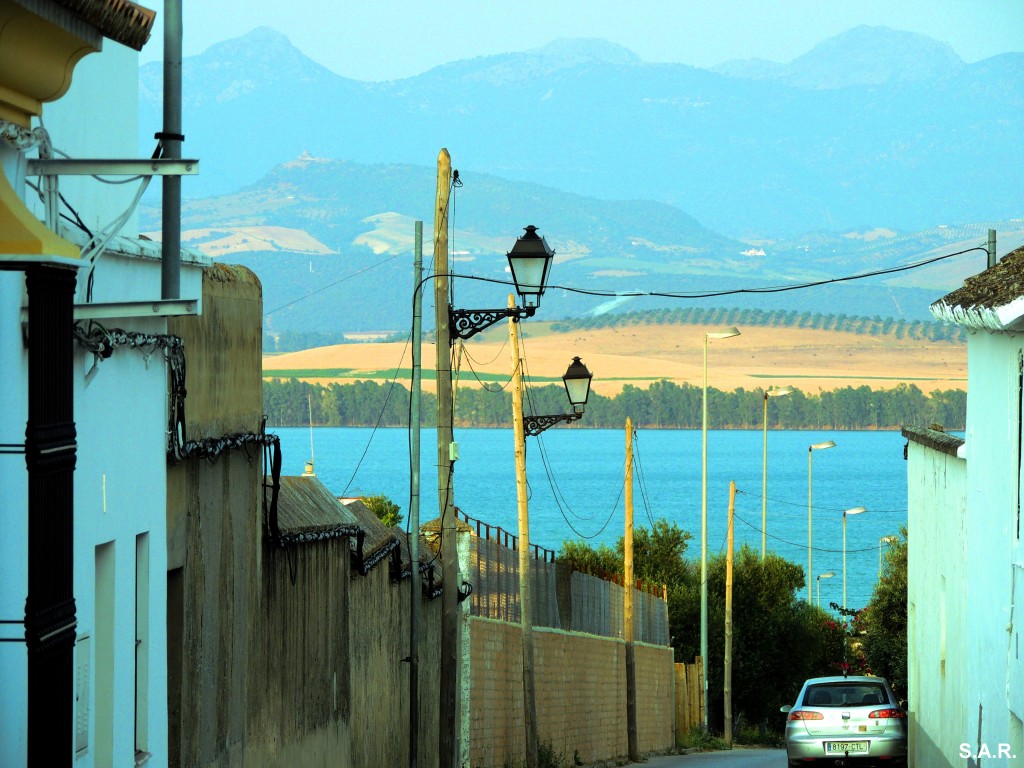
576 479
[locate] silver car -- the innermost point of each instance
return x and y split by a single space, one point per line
849 721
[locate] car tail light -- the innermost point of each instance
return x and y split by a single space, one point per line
894 713
805 714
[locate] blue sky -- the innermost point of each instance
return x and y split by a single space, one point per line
389 39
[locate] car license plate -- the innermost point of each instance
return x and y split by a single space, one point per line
846 746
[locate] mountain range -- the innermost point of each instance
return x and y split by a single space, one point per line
871 128
873 150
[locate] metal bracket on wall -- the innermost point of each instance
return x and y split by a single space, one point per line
156 166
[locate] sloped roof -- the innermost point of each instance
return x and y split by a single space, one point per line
992 300
306 510
934 439
122 21
379 536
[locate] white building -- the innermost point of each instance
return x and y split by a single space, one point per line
966 562
85 435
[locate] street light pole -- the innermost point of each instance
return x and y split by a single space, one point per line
448 707
826 575
854 511
577 387
810 513
525 603
725 334
776 392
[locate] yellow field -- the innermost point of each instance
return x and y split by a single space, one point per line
758 358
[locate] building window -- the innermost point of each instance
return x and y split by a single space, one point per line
141 644
104 643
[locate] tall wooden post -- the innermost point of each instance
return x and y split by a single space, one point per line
631 729
448 712
525 602
728 618
415 584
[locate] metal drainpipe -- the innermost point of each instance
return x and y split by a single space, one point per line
50 455
171 137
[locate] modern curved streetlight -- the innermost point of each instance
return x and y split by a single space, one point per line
774 392
854 511
881 541
810 512
727 333
825 575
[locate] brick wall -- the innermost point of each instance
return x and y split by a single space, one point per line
580 683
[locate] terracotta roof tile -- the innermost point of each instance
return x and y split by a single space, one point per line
122 21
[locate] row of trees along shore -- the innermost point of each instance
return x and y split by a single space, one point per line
900 328
662 405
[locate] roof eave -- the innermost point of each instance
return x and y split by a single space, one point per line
1003 319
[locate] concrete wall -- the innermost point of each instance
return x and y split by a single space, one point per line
214 527
580 695
279 656
937 606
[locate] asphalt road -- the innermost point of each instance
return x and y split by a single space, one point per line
736 758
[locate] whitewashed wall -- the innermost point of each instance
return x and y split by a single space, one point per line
937 604
993 542
120 478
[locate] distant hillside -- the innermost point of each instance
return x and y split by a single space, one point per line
332 242
874 128
863 56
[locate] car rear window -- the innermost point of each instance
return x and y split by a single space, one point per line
845 695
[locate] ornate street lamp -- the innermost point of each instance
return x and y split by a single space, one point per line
530 262
810 516
854 511
577 387
773 392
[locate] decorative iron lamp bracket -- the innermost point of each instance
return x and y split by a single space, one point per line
466 323
534 425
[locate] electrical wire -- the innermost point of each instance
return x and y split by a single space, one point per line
803 504
380 418
803 546
336 282
735 291
642 478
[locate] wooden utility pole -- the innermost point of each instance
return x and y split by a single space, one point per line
415 585
728 618
448 711
631 735
525 603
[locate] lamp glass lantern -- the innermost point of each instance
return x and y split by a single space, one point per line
577 384
530 262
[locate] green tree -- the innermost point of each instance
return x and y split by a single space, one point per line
385 509
884 621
